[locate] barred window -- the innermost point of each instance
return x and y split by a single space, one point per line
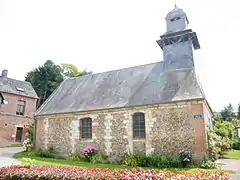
138 125
86 128
20 107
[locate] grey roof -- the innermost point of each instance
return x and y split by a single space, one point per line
140 85
17 87
175 13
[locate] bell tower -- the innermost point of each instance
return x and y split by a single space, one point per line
178 42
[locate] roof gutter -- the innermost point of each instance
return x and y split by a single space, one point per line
33 97
92 110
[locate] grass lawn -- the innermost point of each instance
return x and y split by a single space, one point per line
233 154
29 158
11 145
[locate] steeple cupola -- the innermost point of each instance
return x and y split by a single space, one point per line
176 20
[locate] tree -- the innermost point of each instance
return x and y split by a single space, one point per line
45 79
238 113
228 113
30 133
70 70
225 130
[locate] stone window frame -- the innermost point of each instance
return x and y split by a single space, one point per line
138 125
85 128
20 107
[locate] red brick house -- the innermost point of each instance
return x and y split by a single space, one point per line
17 107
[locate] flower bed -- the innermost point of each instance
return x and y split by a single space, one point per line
72 173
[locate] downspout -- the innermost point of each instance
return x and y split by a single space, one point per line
34 132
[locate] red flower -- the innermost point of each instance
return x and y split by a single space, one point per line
55 172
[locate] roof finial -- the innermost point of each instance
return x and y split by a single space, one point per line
175 4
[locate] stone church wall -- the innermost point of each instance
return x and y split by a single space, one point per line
169 129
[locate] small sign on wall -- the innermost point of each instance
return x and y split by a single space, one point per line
197 116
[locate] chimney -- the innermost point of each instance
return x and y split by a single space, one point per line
4 73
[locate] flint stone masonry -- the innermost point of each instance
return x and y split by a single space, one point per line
169 129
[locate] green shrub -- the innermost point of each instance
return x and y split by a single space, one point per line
48 153
212 148
169 162
236 145
143 160
208 164
153 160
99 158
156 161
175 161
74 157
223 146
226 132
130 160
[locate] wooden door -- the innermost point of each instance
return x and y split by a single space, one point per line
19 134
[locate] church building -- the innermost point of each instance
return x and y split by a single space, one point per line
153 108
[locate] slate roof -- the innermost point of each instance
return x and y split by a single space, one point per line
9 85
176 12
140 85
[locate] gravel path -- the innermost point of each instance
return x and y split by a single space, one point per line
230 165
6 158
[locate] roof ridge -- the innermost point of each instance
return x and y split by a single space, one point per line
116 70
14 79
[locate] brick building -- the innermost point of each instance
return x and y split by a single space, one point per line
17 108
153 108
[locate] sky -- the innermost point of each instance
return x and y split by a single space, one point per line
112 34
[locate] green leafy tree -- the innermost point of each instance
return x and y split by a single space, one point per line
70 70
216 117
45 79
238 113
228 113
225 129
31 132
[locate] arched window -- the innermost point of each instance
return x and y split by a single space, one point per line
138 125
86 128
